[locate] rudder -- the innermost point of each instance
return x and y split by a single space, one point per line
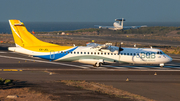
24 38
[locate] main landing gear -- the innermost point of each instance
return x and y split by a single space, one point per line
97 64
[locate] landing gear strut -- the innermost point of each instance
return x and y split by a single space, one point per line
161 65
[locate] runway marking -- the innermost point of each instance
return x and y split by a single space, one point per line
168 66
4 52
178 65
44 61
175 59
14 70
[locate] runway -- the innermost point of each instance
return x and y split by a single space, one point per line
151 81
19 61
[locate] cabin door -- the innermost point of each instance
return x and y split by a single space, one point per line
52 54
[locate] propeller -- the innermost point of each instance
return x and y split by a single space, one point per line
120 49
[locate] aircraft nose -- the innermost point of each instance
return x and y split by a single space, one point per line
168 58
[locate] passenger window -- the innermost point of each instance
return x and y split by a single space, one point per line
84 52
61 52
108 53
104 53
121 53
98 53
111 53
124 53
127 53
65 52
134 53
114 53
74 52
101 53
81 52
91 52
77 52
94 52
87 52
131 54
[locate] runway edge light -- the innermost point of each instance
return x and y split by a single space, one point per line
155 73
127 79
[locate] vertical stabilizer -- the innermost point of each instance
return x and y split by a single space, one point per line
24 38
17 38
122 23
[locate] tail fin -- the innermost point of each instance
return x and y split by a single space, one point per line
24 38
122 22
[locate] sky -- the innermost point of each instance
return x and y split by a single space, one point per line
90 10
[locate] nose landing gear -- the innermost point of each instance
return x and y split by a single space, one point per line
161 65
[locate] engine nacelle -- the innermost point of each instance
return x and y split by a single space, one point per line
96 62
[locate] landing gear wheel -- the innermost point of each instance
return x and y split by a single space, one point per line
97 65
161 65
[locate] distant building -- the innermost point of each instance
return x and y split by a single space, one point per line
63 33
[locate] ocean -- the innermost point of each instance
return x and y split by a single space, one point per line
64 26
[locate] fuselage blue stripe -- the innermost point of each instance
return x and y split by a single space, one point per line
53 56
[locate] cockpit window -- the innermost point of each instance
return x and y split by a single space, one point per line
160 52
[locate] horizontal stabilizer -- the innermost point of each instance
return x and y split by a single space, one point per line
120 19
19 24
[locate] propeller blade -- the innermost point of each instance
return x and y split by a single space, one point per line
120 49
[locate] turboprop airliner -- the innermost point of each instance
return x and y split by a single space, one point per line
119 25
92 53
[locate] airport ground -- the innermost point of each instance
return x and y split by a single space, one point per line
161 87
142 79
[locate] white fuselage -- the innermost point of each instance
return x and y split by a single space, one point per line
87 54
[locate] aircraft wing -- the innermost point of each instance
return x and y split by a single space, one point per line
133 27
95 45
100 47
104 27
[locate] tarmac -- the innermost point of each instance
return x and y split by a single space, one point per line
151 81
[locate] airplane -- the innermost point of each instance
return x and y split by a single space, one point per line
93 53
119 26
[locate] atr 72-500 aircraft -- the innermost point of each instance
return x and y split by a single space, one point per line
93 53
119 26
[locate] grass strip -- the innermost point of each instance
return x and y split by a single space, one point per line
105 89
